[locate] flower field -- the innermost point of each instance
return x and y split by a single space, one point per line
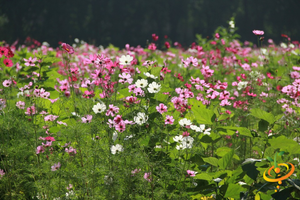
219 120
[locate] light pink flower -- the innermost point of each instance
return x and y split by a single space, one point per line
30 61
87 119
191 173
169 120
147 176
55 167
258 32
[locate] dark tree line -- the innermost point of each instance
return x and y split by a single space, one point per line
133 21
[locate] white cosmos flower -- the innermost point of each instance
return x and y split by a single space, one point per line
207 131
185 122
187 142
141 118
178 138
217 180
116 148
180 147
115 136
99 108
154 87
141 83
125 60
242 85
150 75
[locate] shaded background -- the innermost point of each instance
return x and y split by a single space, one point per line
119 22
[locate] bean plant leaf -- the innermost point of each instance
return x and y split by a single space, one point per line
261 114
233 191
242 130
211 160
226 160
203 176
284 143
200 113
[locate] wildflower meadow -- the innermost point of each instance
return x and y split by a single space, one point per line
217 120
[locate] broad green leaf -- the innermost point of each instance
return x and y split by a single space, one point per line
263 125
242 130
284 143
261 114
222 151
203 176
156 71
211 160
226 160
198 112
233 191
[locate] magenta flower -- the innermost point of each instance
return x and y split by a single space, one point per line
55 167
68 48
49 138
30 111
112 110
169 120
161 108
7 62
30 61
258 32
121 127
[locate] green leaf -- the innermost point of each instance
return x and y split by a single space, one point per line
263 125
211 160
200 113
270 159
242 130
156 71
226 160
233 191
203 176
261 114
281 153
222 151
285 144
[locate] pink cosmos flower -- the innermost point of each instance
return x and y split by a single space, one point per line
191 173
125 78
87 119
169 120
295 75
161 108
31 110
135 171
152 46
258 32
62 123
40 149
20 104
121 127
7 62
112 110
71 151
50 118
147 176
2 173
7 83
70 187
69 49
30 61
49 138
3 51
55 167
